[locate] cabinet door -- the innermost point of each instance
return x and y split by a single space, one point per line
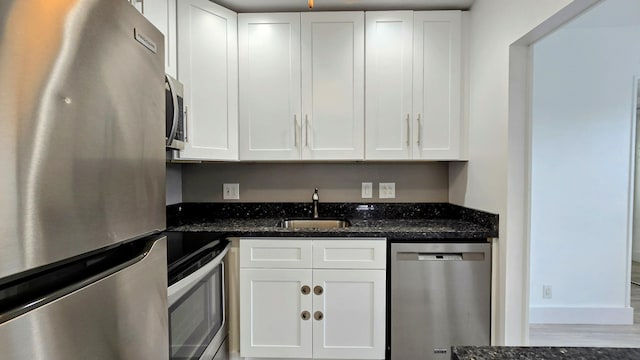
349 254
333 85
389 59
269 59
271 307
208 68
437 84
162 13
352 304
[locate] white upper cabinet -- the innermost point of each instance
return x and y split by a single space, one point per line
269 56
414 85
302 86
437 87
162 14
389 85
208 68
333 85
300 78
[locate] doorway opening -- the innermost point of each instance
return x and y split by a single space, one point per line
583 131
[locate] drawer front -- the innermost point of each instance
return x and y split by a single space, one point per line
349 254
275 253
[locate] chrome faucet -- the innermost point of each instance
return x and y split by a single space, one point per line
315 198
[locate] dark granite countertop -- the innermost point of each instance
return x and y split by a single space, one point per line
395 229
543 353
395 221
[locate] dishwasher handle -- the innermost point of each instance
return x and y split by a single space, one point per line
440 256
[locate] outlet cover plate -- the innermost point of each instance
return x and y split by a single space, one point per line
231 191
367 190
387 190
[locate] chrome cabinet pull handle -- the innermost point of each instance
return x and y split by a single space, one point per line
419 129
408 129
295 129
186 123
306 126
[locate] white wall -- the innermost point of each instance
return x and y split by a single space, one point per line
636 206
582 117
482 182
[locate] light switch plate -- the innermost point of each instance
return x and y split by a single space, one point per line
367 190
387 190
231 191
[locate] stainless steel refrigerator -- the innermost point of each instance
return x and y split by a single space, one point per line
82 182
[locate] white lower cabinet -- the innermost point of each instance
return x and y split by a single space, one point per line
271 307
331 309
352 306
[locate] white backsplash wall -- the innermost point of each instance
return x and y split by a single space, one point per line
174 184
292 182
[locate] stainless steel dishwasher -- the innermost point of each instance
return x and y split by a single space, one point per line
440 297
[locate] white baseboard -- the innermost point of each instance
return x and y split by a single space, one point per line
581 315
636 256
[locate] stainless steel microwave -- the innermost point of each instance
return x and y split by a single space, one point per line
175 118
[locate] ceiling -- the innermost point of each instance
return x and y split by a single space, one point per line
337 5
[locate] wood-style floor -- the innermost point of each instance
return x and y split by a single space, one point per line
635 272
592 335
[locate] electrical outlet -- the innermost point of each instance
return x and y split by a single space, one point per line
231 191
387 190
367 190
546 292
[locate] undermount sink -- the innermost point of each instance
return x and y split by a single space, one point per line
313 223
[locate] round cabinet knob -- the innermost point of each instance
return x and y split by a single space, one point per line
318 315
305 315
305 290
318 290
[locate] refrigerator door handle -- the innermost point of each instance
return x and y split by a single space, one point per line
23 303
119 316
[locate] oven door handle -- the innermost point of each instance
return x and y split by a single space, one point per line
224 296
177 290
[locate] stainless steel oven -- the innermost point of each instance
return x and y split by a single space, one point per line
197 320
